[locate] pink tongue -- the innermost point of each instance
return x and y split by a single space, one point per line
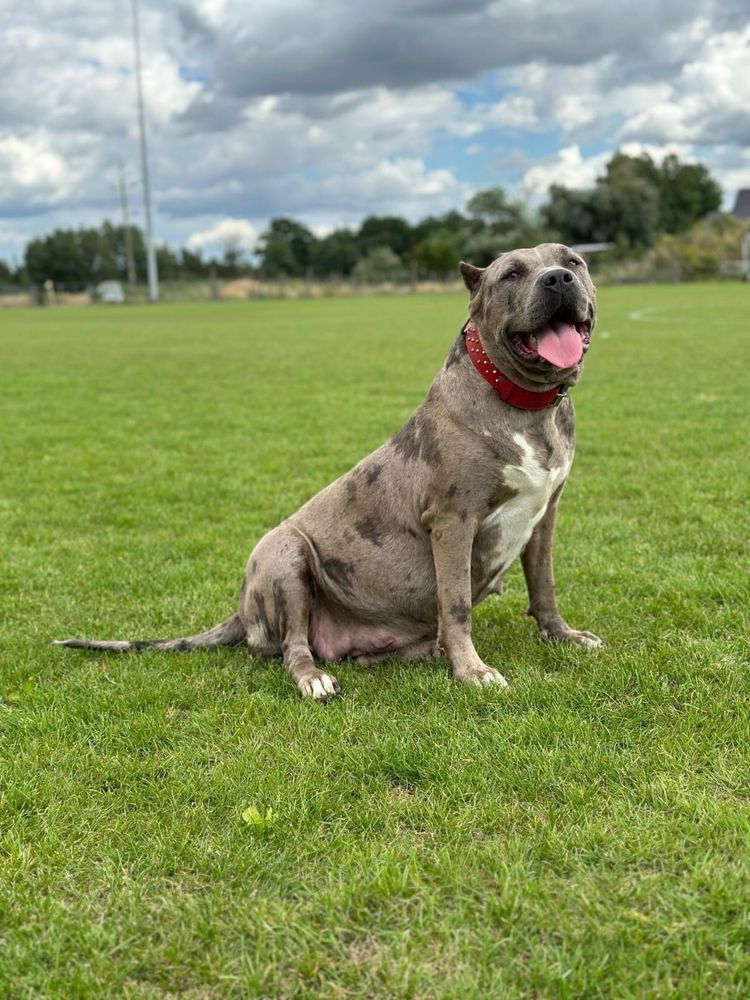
560 344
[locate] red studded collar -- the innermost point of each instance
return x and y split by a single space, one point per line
509 392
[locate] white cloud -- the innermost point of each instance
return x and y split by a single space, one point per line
568 168
404 184
211 12
515 111
308 110
235 233
31 169
464 129
709 102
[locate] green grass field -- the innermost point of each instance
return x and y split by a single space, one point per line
585 835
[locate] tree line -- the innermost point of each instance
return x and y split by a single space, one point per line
630 206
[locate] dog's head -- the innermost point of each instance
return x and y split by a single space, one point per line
535 309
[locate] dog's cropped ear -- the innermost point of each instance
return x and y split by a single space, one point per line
471 275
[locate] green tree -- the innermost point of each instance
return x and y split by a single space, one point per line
439 253
57 257
168 263
7 275
192 264
286 248
498 224
687 193
634 201
570 216
77 257
385 231
381 264
336 253
452 222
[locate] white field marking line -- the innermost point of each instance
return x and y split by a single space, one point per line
647 315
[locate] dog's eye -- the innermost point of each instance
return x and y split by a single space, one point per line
575 263
511 275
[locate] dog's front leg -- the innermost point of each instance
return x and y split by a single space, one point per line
451 550
536 560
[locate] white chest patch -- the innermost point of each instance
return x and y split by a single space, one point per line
512 523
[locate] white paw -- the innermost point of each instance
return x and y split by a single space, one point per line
586 640
484 676
491 676
319 687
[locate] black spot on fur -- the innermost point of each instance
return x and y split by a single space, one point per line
565 419
456 352
453 490
463 514
429 442
418 439
368 530
460 612
339 572
279 605
351 490
373 474
306 578
500 495
406 440
262 614
253 565
140 644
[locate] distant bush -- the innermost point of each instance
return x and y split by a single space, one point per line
709 249
381 264
700 251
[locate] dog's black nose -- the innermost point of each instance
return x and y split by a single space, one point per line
557 277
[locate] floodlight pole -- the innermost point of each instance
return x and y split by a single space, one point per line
153 277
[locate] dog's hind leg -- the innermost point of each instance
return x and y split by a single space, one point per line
276 603
296 599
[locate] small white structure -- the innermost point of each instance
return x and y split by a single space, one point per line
110 292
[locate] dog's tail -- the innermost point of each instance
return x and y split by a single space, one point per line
226 633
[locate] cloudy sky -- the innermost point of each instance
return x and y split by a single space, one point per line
330 110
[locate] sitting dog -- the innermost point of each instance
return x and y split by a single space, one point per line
390 558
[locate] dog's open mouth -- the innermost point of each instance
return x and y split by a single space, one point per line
562 341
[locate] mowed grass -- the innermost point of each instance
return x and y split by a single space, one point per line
586 834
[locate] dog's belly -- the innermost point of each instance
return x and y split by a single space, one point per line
334 635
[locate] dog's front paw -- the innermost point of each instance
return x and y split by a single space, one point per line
318 685
563 633
481 675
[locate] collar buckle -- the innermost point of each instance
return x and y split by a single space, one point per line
562 394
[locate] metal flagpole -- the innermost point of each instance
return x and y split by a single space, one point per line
153 277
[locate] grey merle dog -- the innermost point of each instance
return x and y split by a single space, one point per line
390 558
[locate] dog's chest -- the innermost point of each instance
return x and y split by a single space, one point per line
506 530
